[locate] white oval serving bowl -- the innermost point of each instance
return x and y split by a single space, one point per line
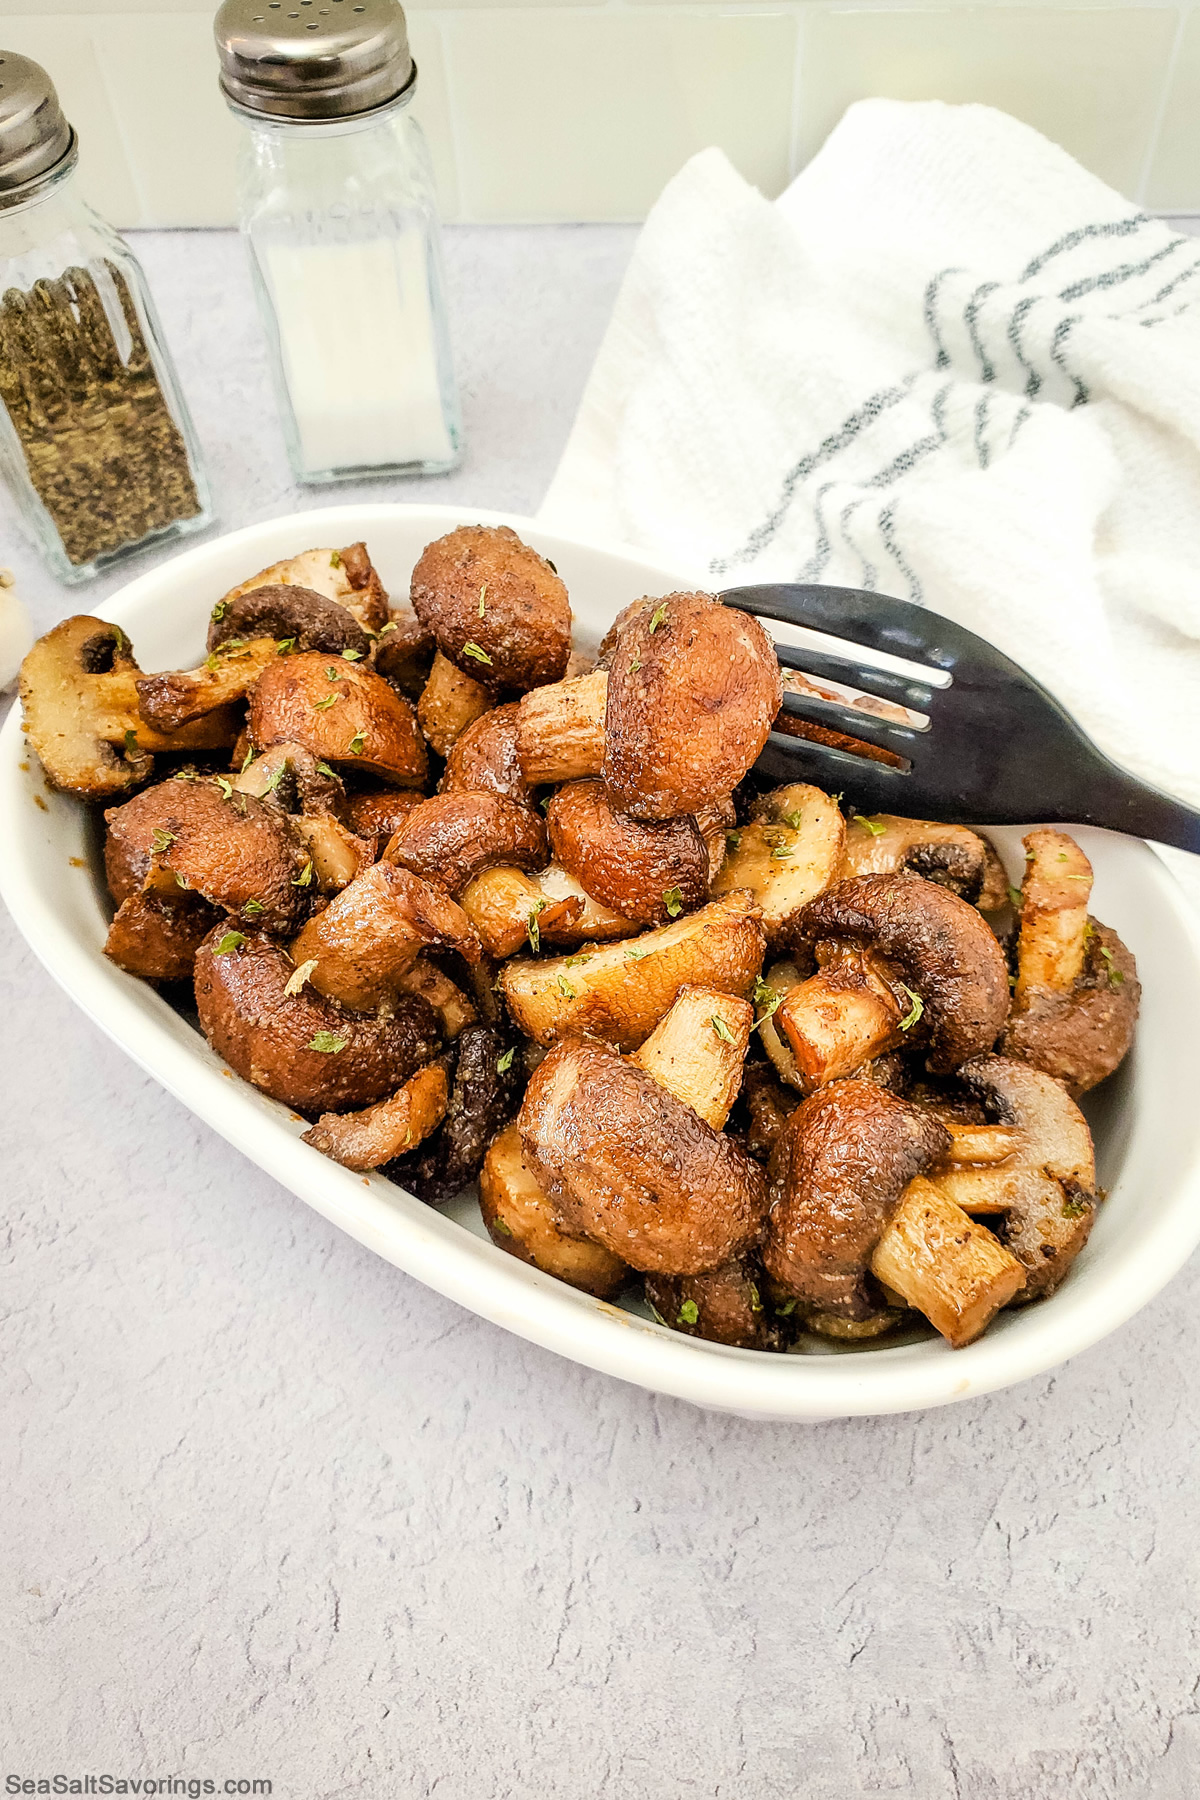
1146 1120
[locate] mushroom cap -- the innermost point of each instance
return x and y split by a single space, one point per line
231 849
953 856
267 1036
943 948
343 713
482 586
838 1170
280 611
1048 1187
483 1098
634 1168
1082 1035
370 934
379 815
344 575
452 837
623 863
157 938
484 758
692 690
730 1306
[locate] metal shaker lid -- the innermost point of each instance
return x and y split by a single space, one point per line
35 139
313 59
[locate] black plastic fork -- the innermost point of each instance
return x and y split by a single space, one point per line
998 750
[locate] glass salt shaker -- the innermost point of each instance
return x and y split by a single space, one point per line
337 206
96 444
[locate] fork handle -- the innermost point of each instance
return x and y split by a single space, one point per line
1107 796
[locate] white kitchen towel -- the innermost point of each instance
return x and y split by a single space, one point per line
947 364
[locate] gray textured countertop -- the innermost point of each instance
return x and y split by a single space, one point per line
269 1509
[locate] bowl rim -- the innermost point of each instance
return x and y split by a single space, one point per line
470 1270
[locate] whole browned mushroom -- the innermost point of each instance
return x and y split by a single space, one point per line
377 815
649 873
343 713
896 955
1077 992
498 610
1045 1186
726 1306
452 837
692 691
484 758
295 1044
198 835
78 689
633 1167
360 947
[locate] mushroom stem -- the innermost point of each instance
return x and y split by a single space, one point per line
697 1051
178 696
839 1019
450 701
504 905
944 1265
560 729
1054 914
364 1140
980 1143
117 696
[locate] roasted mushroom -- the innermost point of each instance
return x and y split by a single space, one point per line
452 837
79 697
560 729
156 937
483 758
196 834
1044 1185
1077 991
376 1134
377 816
450 702
522 1219
635 1168
896 954
498 610
951 855
620 991
343 713
298 617
726 1306
692 691
277 1032
345 576
483 1098
359 948
649 873
790 852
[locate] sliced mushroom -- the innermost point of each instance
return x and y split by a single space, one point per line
876 935
298 617
499 611
345 576
292 1042
176 697
790 852
508 908
727 1306
79 697
361 945
483 759
376 1134
1046 1185
718 827
483 1098
522 1219
560 729
621 990
157 938
645 872
452 837
343 713
950 855
692 691
944 1264
450 702
291 777
454 1010
1077 992
238 853
635 1168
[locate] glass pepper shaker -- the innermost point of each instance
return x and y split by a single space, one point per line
337 206
95 440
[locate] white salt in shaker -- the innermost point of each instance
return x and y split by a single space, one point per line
337 205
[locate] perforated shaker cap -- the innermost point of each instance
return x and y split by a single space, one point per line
35 139
313 59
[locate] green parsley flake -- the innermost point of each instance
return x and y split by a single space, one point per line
211 663
565 988
868 824
505 1062
573 962
635 665
334 674
355 746
328 1043
253 908
218 612
304 878
320 705
732 839
656 618
1062 856
768 998
794 819
161 840
1075 1209
275 780
531 924
918 1007
384 629
131 744
636 955
504 1229
299 976
231 941
483 600
721 1028
779 852
1014 896
1115 976
247 760
335 561
786 1310
283 645
185 775
324 769
689 1313
673 901
225 785
473 650
755 1299
351 655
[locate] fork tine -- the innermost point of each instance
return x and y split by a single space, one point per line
841 716
874 620
831 666
872 786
